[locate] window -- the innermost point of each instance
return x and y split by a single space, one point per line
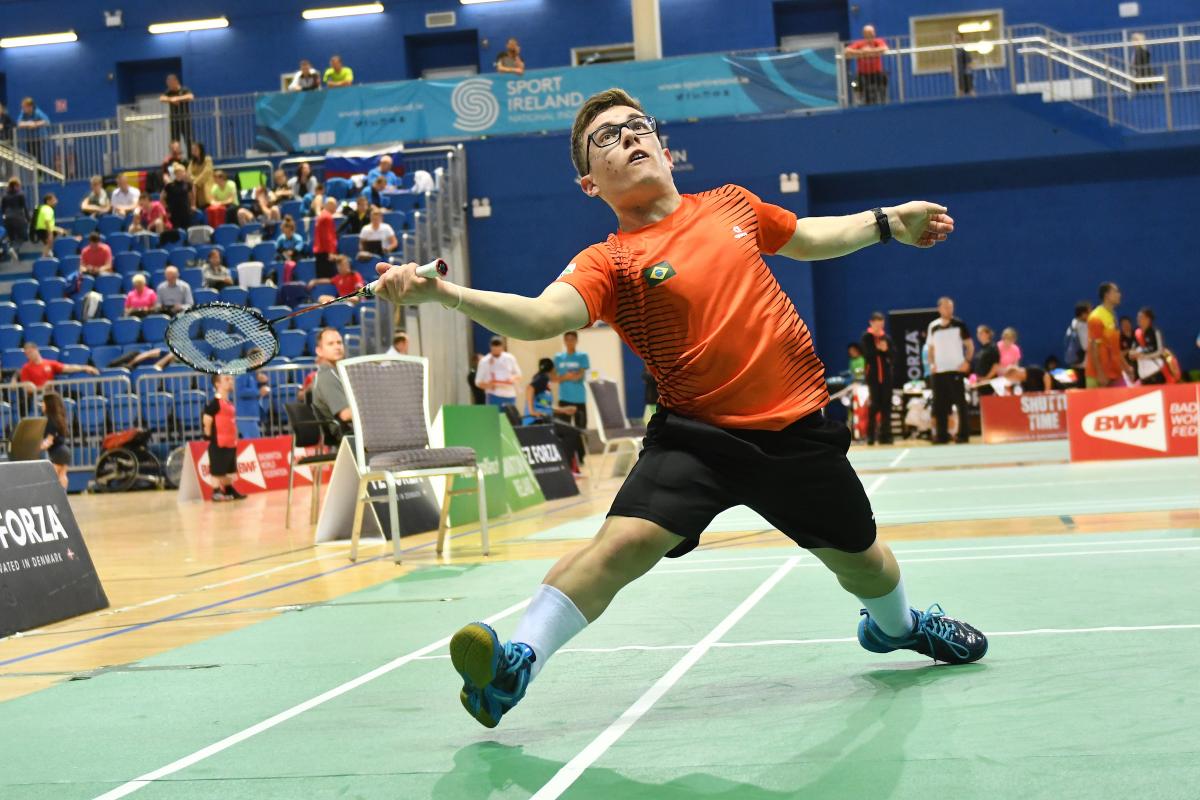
979 29
601 54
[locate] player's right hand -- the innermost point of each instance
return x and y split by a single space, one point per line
399 284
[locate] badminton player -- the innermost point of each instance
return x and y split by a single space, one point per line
742 391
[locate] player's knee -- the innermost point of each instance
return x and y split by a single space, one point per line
628 550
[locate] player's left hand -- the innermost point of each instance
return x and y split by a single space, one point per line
920 223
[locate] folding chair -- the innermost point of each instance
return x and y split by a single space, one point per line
307 431
613 428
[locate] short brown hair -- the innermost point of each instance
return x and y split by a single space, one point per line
593 107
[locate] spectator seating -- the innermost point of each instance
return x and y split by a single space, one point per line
65 246
264 252
113 306
292 208
126 330
109 284
154 328
128 262
45 268
235 294
262 297
103 355
96 332
8 312
189 407
13 358
67 333
226 235
52 288
59 310
39 333
277 311
306 270
31 311
323 291
82 226
119 242
155 259
291 343
50 352
93 415
68 266
183 257
23 290
202 295
308 322
77 354
236 254
339 188
348 245
199 234
123 409
395 219
194 277
156 410
109 224
251 229
250 274
11 336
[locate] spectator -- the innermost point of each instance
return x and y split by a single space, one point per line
264 209
328 395
303 183
1140 65
96 201
1125 328
58 431
179 109
141 300
497 374
385 171
479 396
289 244
34 125
1104 341
125 197
1030 379
510 60
151 216
346 280
378 238
177 197
357 218
1075 340
962 58
572 367
324 242
986 364
174 156
338 75
96 257
1050 364
220 428
44 227
855 362
216 275
306 78
174 295
14 209
200 171
877 350
950 351
867 53
1010 353
375 192
399 344
281 188
8 128
314 201
222 200
1148 353
39 371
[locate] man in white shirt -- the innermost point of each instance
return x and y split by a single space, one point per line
306 79
950 352
400 343
377 238
497 375
125 197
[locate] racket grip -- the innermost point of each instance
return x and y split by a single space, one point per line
438 268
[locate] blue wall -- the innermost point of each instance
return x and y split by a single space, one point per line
1049 202
891 18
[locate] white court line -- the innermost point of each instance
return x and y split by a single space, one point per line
1056 508
876 484
283 716
899 458
1116 480
571 771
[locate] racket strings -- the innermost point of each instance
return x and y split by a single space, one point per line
222 338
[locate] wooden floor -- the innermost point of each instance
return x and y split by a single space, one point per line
179 573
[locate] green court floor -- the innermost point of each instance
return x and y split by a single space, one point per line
729 674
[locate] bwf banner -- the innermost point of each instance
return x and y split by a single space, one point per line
1143 422
46 573
541 100
1024 418
262 466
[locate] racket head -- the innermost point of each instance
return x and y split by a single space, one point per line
222 338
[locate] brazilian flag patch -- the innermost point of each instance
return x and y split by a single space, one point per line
658 273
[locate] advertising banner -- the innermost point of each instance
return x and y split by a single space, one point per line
262 467
1140 422
477 427
46 573
520 485
1024 418
908 328
688 87
551 466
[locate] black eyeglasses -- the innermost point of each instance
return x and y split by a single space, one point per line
608 135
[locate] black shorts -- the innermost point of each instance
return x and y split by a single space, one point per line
222 460
326 266
798 479
60 455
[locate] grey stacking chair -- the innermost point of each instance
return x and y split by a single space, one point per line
613 428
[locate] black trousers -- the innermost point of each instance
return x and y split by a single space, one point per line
580 418
879 415
874 87
949 390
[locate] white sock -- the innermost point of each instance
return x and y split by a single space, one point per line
891 612
549 622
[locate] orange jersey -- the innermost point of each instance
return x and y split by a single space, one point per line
693 297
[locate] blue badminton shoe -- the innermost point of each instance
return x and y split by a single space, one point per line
934 634
495 676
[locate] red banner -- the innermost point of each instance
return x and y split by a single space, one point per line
1141 422
262 466
1024 417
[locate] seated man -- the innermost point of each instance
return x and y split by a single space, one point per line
150 216
173 294
384 170
375 191
96 202
96 257
124 198
328 396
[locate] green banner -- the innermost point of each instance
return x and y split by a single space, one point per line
477 427
519 481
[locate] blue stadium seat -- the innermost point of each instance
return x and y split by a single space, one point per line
109 284
96 332
337 315
348 245
291 343
65 246
201 295
124 410
292 208
109 224
189 407
308 322
395 219
250 228
67 333
8 312
338 188
39 333
275 312
103 354
226 235
59 310
155 259
156 410
236 254
262 297
306 270
23 290
77 354
13 358
50 288
82 226
31 311
144 241
93 416
194 277
45 268
119 242
11 336
264 252
322 291
154 328
50 352
156 277
182 257
128 262
69 406
126 330
235 294
68 266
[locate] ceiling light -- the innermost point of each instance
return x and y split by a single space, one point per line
342 11
983 48
975 27
473 2
189 25
41 38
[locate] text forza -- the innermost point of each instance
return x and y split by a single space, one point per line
33 525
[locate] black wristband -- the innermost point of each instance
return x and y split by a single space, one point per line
881 222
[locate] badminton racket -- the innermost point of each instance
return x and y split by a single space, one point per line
228 339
